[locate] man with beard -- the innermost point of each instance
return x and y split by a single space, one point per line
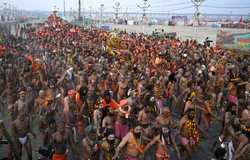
90 144
81 96
189 131
132 141
164 118
108 146
163 140
47 113
71 111
90 97
20 130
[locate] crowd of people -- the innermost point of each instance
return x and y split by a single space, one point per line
98 95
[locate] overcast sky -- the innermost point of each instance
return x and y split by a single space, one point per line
172 6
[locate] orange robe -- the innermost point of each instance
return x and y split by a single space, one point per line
59 157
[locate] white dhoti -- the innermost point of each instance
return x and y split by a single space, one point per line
23 140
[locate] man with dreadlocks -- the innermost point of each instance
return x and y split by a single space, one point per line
132 144
108 145
189 131
163 140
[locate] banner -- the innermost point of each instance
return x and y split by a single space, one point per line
228 40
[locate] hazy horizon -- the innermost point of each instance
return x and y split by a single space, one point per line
170 6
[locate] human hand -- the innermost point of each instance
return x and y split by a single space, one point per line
115 156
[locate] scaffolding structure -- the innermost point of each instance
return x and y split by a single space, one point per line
197 4
144 7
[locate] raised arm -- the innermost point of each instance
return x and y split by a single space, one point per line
139 117
123 142
175 147
154 141
121 145
66 109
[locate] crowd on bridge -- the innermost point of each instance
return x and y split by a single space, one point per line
90 94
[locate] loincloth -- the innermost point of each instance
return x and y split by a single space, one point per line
23 140
59 156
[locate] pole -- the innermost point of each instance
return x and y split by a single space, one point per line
101 14
83 10
64 12
90 12
126 13
79 10
5 11
197 4
117 8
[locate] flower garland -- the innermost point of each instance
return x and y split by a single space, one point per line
193 130
158 90
90 107
99 103
246 129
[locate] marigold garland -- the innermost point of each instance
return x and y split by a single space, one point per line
246 129
193 130
90 107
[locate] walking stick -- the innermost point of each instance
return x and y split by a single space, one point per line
8 137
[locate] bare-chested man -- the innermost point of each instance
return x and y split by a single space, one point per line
122 86
183 82
108 122
61 141
90 144
163 140
71 111
132 141
245 115
47 113
189 131
165 118
21 130
40 101
19 106
108 146
244 137
144 117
